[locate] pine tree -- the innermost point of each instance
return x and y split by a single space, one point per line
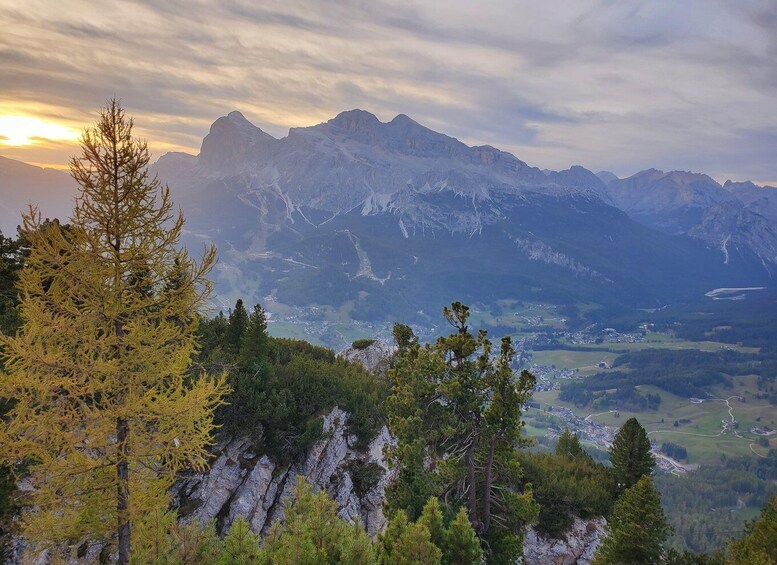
105 412
630 455
431 517
759 544
636 528
569 445
241 545
238 323
456 411
415 547
461 544
314 533
254 342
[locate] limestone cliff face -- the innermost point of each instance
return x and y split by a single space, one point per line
375 357
576 547
243 483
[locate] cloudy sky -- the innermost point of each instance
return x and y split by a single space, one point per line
609 84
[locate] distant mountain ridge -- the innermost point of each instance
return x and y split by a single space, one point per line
386 218
22 184
393 216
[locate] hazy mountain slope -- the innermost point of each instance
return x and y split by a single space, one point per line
759 199
22 184
681 202
394 218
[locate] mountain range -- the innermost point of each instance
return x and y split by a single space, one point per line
396 220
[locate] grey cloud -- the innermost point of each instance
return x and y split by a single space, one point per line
617 85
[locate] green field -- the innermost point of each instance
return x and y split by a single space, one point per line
702 436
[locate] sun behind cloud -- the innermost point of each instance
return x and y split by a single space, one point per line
17 131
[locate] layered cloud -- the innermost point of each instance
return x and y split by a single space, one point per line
611 85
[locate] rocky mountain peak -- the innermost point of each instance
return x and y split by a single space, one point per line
233 143
732 185
607 177
355 120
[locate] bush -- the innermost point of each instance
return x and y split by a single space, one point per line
362 343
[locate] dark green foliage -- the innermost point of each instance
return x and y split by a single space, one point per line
364 475
569 445
687 372
630 455
636 528
675 557
461 545
236 327
362 343
704 508
404 337
674 450
12 254
456 412
281 387
284 350
254 342
429 539
759 544
611 390
566 486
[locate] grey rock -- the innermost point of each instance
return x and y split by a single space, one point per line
239 483
576 547
374 358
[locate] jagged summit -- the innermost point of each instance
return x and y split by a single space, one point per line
379 214
233 143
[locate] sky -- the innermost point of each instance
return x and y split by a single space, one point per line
619 85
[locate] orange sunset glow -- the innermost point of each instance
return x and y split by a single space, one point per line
27 130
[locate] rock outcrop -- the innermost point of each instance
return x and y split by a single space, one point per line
576 547
374 357
243 483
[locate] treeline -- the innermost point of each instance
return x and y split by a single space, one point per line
609 391
705 507
674 450
567 483
282 388
685 372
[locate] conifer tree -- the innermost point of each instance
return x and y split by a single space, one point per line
461 544
431 517
254 343
569 445
759 544
238 323
636 528
456 411
630 455
104 410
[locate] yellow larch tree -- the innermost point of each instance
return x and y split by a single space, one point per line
105 410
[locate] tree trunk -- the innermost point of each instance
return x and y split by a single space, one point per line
487 488
122 488
472 499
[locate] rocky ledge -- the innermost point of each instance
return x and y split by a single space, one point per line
576 547
243 483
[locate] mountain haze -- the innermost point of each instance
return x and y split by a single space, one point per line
394 219
22 184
